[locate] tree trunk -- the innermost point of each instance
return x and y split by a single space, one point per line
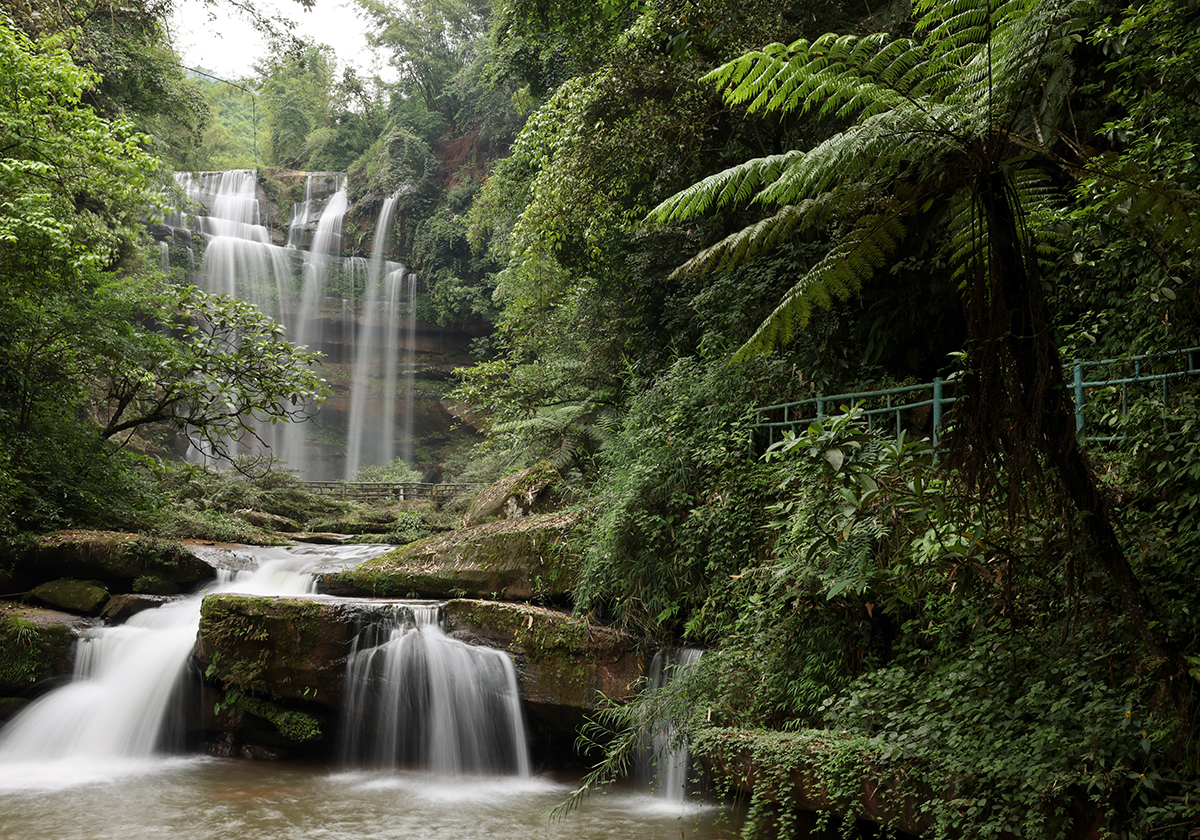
1019 419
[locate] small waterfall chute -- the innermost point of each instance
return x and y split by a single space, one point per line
119 700
415 697
666 765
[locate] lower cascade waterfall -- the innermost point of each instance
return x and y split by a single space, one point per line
122 699
415 697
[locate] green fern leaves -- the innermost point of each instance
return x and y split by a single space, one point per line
975 91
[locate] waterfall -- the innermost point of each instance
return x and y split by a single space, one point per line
359 312
119 701
378 334
410 367
666 764
416 697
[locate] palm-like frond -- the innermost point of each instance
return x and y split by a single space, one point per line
841 273
732 186
760 237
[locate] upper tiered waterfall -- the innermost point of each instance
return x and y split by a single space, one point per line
358 311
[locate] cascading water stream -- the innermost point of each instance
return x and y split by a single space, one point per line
666 765
368 442
416 697
119 700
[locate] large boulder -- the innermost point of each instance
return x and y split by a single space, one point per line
564 660
284 648
84 597
123 562
35 645
516 559
523 493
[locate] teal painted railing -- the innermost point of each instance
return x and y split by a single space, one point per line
1100 388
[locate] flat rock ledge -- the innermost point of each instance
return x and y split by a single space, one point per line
512 560
295 648
35 646
125 562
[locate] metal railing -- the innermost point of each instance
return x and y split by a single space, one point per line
1100 388
400 490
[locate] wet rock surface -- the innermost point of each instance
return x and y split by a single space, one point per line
35 646
512 560
523 493
124 562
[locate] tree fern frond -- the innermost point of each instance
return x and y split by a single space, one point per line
732 186
966 236
746 243
841 273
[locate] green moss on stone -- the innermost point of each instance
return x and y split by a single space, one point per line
29 653
293 725
247 636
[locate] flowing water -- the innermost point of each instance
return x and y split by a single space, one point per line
85 761
666 766
416 697
227 799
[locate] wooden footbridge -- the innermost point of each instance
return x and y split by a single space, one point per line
382 490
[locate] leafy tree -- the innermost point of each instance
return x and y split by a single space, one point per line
88 350
430 42
212 368
964 128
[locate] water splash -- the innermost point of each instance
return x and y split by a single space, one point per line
415 697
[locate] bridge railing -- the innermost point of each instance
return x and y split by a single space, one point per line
1100 388
400 490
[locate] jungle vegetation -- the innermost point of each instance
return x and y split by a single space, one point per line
674 211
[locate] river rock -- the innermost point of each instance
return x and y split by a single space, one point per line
35 645
563 660
521 494
292 647
120 607
268 521
76 596
120 561
516 559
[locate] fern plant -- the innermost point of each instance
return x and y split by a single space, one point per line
963 125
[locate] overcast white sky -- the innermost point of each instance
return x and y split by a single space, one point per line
227 46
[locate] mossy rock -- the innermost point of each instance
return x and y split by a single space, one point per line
35 645
278 647
292 725
518 560
564 660
116 559
523 493
84 597
268 521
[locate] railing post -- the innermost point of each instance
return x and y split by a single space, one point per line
820 407
1078 396
937 408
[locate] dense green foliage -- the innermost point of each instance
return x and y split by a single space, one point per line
673 211
986 180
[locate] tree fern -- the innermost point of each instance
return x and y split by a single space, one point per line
960 123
